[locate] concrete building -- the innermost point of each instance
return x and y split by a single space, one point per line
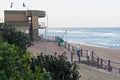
25 21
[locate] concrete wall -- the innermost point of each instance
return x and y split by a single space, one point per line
19 19
35 22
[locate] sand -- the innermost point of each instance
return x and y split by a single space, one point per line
51 47
105 53
86 72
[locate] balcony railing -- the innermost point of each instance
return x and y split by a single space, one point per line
42 25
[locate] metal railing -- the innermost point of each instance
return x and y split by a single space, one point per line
92 59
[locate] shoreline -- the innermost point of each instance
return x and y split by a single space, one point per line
103 52
87 44
51 47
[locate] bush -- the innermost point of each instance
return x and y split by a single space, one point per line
14 37
59 68
16 66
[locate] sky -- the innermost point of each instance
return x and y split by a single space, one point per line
72 13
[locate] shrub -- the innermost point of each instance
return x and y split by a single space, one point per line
16 66
59 68
14 37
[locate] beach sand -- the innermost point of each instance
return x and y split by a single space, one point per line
86 72
105 53
52 47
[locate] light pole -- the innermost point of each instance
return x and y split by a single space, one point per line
47 24
66 32
45 35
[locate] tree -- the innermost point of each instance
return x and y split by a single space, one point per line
59 68
10 35
16 66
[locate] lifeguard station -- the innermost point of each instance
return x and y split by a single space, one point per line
26 21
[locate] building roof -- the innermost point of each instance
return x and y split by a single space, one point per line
26 12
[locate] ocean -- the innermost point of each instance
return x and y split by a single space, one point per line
105 37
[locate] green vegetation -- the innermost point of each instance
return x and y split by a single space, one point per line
14 37
59 68
14 65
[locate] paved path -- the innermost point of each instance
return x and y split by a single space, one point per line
51 48
86 72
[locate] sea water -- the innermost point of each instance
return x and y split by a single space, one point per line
106 37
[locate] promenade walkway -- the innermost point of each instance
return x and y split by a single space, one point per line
87 72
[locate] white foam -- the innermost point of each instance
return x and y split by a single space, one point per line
106 39
87 44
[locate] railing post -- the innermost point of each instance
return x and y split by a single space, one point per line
92 56
109 66
73 50
68 47
71 56
52 38
98 63
81 52
79 58
65 44
88 61
72 53
101 63
119 71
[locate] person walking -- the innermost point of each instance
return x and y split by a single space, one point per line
78 50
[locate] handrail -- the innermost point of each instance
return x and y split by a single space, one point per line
94 58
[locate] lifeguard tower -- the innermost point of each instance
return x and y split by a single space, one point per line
26 21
